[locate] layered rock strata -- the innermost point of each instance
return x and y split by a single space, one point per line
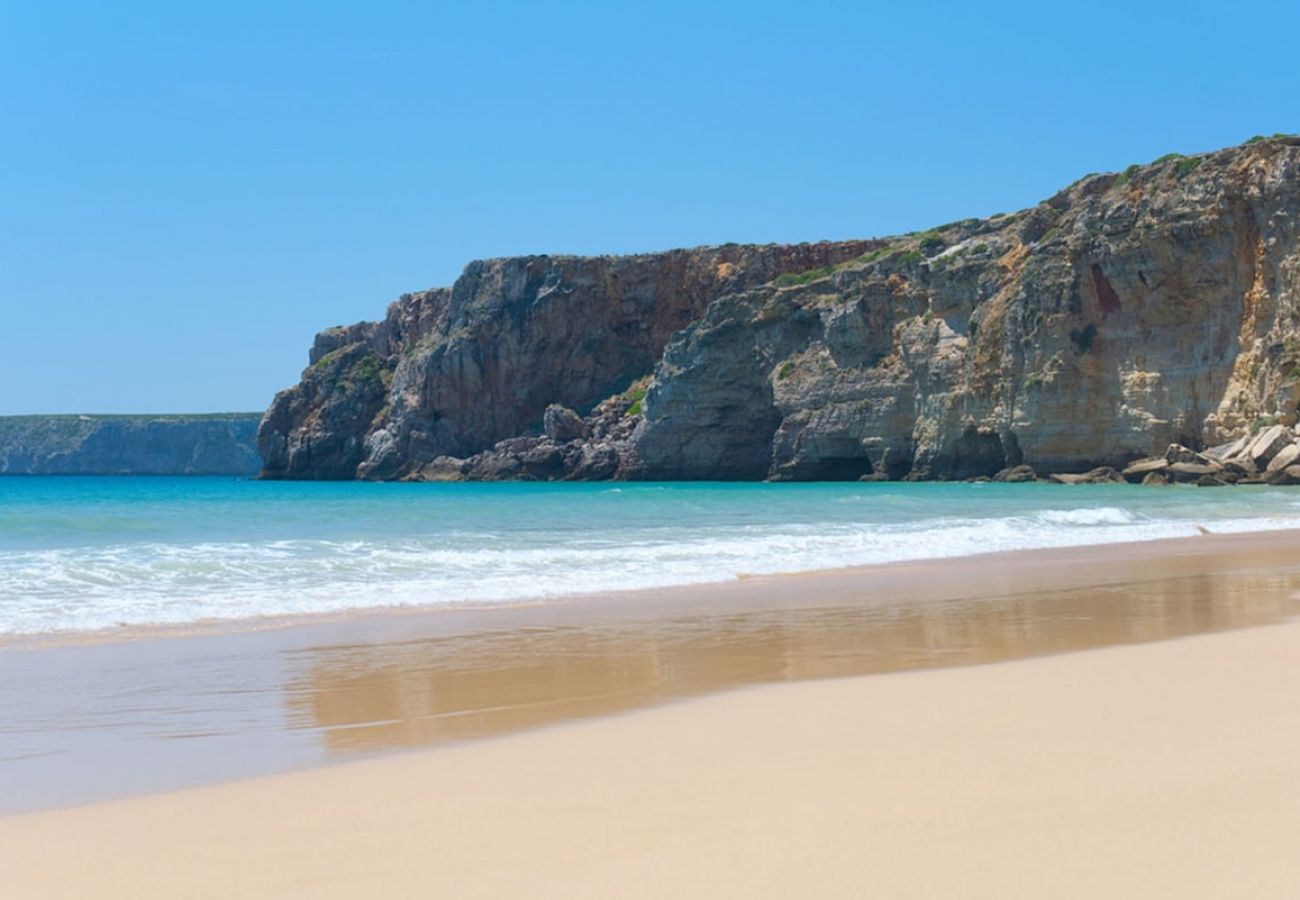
1129 312
452 371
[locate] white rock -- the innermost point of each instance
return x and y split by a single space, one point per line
1268 442
1287 456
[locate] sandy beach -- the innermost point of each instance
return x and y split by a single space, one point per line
545 452
1161 770
955 759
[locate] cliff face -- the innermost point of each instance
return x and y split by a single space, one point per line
221 444
450 372
1128 312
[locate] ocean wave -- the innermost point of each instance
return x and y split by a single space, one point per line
87 588
1099 515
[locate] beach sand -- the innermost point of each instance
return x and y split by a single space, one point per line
1165 769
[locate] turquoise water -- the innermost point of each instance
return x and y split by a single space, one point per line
84 553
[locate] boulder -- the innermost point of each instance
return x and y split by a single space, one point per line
1268 442
441 468
597 462
1159 478
1016 475
1099 475
1138 471
1177 453
1190 472
562 424
543 462
1287 476
1287 456
1227 451
497 464
1210 481
1241 466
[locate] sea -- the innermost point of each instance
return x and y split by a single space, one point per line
84 554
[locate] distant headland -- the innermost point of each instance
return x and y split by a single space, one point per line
200 444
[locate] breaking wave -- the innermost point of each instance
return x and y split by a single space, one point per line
550 543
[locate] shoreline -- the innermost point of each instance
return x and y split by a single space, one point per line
722 591
1046 776
104 720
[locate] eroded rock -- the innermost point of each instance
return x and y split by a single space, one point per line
1267 444
1287 456
1186 472
1138 471
1288 476
1099 475
562 424
1123 317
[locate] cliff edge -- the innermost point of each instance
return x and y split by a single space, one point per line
1128 312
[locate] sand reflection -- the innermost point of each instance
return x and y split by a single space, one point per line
392 694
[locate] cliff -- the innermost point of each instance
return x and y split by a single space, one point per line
219 444
1130 311
450 372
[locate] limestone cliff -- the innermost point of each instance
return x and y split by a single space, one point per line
1130 311
452 371
217 444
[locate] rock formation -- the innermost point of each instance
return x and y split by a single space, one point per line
1129 312
452 371
1271 456
219 444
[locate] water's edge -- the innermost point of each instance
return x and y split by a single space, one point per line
83 722
88 555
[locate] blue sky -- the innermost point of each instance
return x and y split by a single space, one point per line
189 191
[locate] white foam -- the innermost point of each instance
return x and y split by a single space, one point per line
1100 515
157 583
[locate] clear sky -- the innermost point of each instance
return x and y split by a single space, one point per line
189 191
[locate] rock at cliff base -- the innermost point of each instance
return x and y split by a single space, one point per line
1016 475
1241 466
442 468
597 462
1177 453
1268 443
562 424
1288 476
1138 471
1287 456
1155 478
543 462
1190 472
1099 475
1223 452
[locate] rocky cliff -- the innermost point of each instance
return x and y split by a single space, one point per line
452 371
220 444
1129 312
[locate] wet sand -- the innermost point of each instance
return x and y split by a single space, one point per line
108 716
1164 769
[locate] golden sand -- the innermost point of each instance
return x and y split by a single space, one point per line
1161 770
1164 769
